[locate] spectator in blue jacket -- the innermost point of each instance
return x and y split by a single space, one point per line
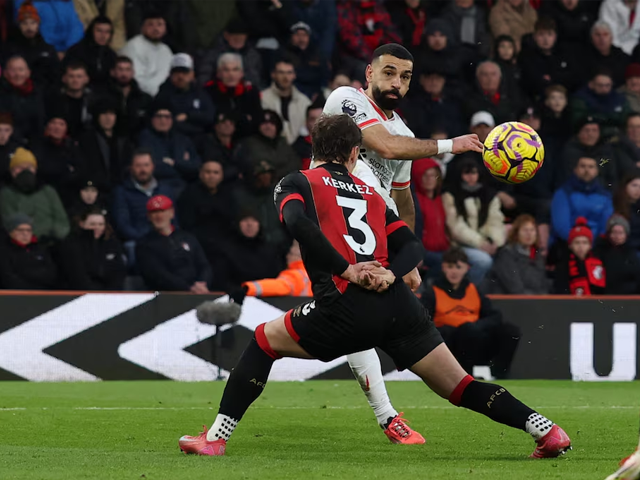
59 22
192 106
321 16
581 196
129 209
174 154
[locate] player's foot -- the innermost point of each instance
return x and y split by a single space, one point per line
629 468
553 444
399 432
201 446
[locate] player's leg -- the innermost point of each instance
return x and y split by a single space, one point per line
246 383
629 467
367 369
444 375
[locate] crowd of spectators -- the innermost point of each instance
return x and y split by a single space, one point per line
140 140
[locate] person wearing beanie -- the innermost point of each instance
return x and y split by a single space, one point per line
268 145
8 144
443 54
588 141
27 264
284 98
151 57
21 97
169 258
631 87
59 23
312 67
87 197
27 41
94 51
192 107
234 39
105 150
174 155
580 196
25 194
579 271
619 258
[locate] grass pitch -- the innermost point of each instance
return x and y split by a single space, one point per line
312 430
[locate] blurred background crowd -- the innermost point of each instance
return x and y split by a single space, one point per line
140 140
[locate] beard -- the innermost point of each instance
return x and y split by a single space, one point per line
384 101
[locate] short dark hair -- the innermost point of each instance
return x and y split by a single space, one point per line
455 255
314 106
76 65
210 160
393 49
123 59
284 59
545 24
333 137
629 117
140 152
605 72
102 20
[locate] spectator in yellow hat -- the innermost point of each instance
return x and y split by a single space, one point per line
25 194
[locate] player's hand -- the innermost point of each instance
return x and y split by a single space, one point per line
413 279
466 143
382 278
354 273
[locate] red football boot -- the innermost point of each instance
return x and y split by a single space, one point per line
201 446
553 444
399 432
629 468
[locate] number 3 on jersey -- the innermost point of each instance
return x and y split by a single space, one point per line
356 222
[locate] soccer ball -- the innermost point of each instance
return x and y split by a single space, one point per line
513 152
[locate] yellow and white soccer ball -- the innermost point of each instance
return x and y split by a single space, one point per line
513 152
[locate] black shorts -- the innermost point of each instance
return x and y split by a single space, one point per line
360 319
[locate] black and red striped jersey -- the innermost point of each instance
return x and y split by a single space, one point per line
349 213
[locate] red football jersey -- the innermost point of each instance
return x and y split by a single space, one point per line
350 214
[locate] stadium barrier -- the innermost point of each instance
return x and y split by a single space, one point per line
64 336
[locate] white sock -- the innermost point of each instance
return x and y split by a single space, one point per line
538 425
223 427
368 371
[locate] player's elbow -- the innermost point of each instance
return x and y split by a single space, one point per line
386 151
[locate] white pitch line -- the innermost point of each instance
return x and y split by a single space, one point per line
328 407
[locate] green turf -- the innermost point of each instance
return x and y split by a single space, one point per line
300 431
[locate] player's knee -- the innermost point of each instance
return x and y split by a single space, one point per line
262 339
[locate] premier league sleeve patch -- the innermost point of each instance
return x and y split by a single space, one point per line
349 107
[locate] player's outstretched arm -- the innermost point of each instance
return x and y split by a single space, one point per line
397 147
